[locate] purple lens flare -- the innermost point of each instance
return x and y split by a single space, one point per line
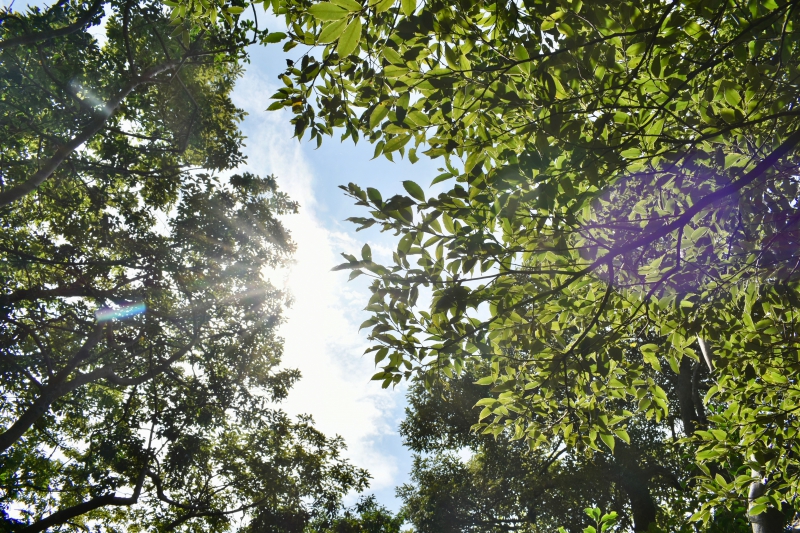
759 229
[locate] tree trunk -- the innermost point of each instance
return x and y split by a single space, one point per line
771 520
636 484
684 389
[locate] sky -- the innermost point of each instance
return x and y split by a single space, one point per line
321 329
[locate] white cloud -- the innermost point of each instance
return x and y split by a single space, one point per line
321 332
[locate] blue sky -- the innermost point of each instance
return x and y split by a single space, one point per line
321 332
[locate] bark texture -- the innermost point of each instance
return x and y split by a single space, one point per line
770 521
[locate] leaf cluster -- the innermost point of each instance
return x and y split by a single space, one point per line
621 213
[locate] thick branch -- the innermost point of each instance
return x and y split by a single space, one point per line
699 407
56 387
158 483
46 170
683 386
636 485
59 387
768 162
63 515
34 295
706 349
52 34
771 520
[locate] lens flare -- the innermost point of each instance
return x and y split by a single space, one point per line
120 313
641 205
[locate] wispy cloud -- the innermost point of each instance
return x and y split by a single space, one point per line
321 332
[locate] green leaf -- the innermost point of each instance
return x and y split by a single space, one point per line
327 11
382 5
408 7
350 38
442 177
392 56
732 96
374 195
757 509
332 30
623 435
708 454
636 49
381 354
609 517
414 190
405 243
395 71
366 253
728 115
608 440
350 5
274 37
451 58
396 143
419 118
473 159
379 113
698 233
649 355
565 29
593 512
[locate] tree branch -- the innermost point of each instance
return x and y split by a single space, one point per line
34 295
46 170
52 34
58 387
54 389
63 515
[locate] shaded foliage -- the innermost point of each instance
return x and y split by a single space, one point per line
139 356
467 482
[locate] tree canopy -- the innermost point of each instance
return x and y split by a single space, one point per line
463 481
622 205
139 359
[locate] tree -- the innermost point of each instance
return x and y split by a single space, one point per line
140 360
501 484
365 516
621 175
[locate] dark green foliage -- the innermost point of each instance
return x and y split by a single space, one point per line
505 485
139 361
366 516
